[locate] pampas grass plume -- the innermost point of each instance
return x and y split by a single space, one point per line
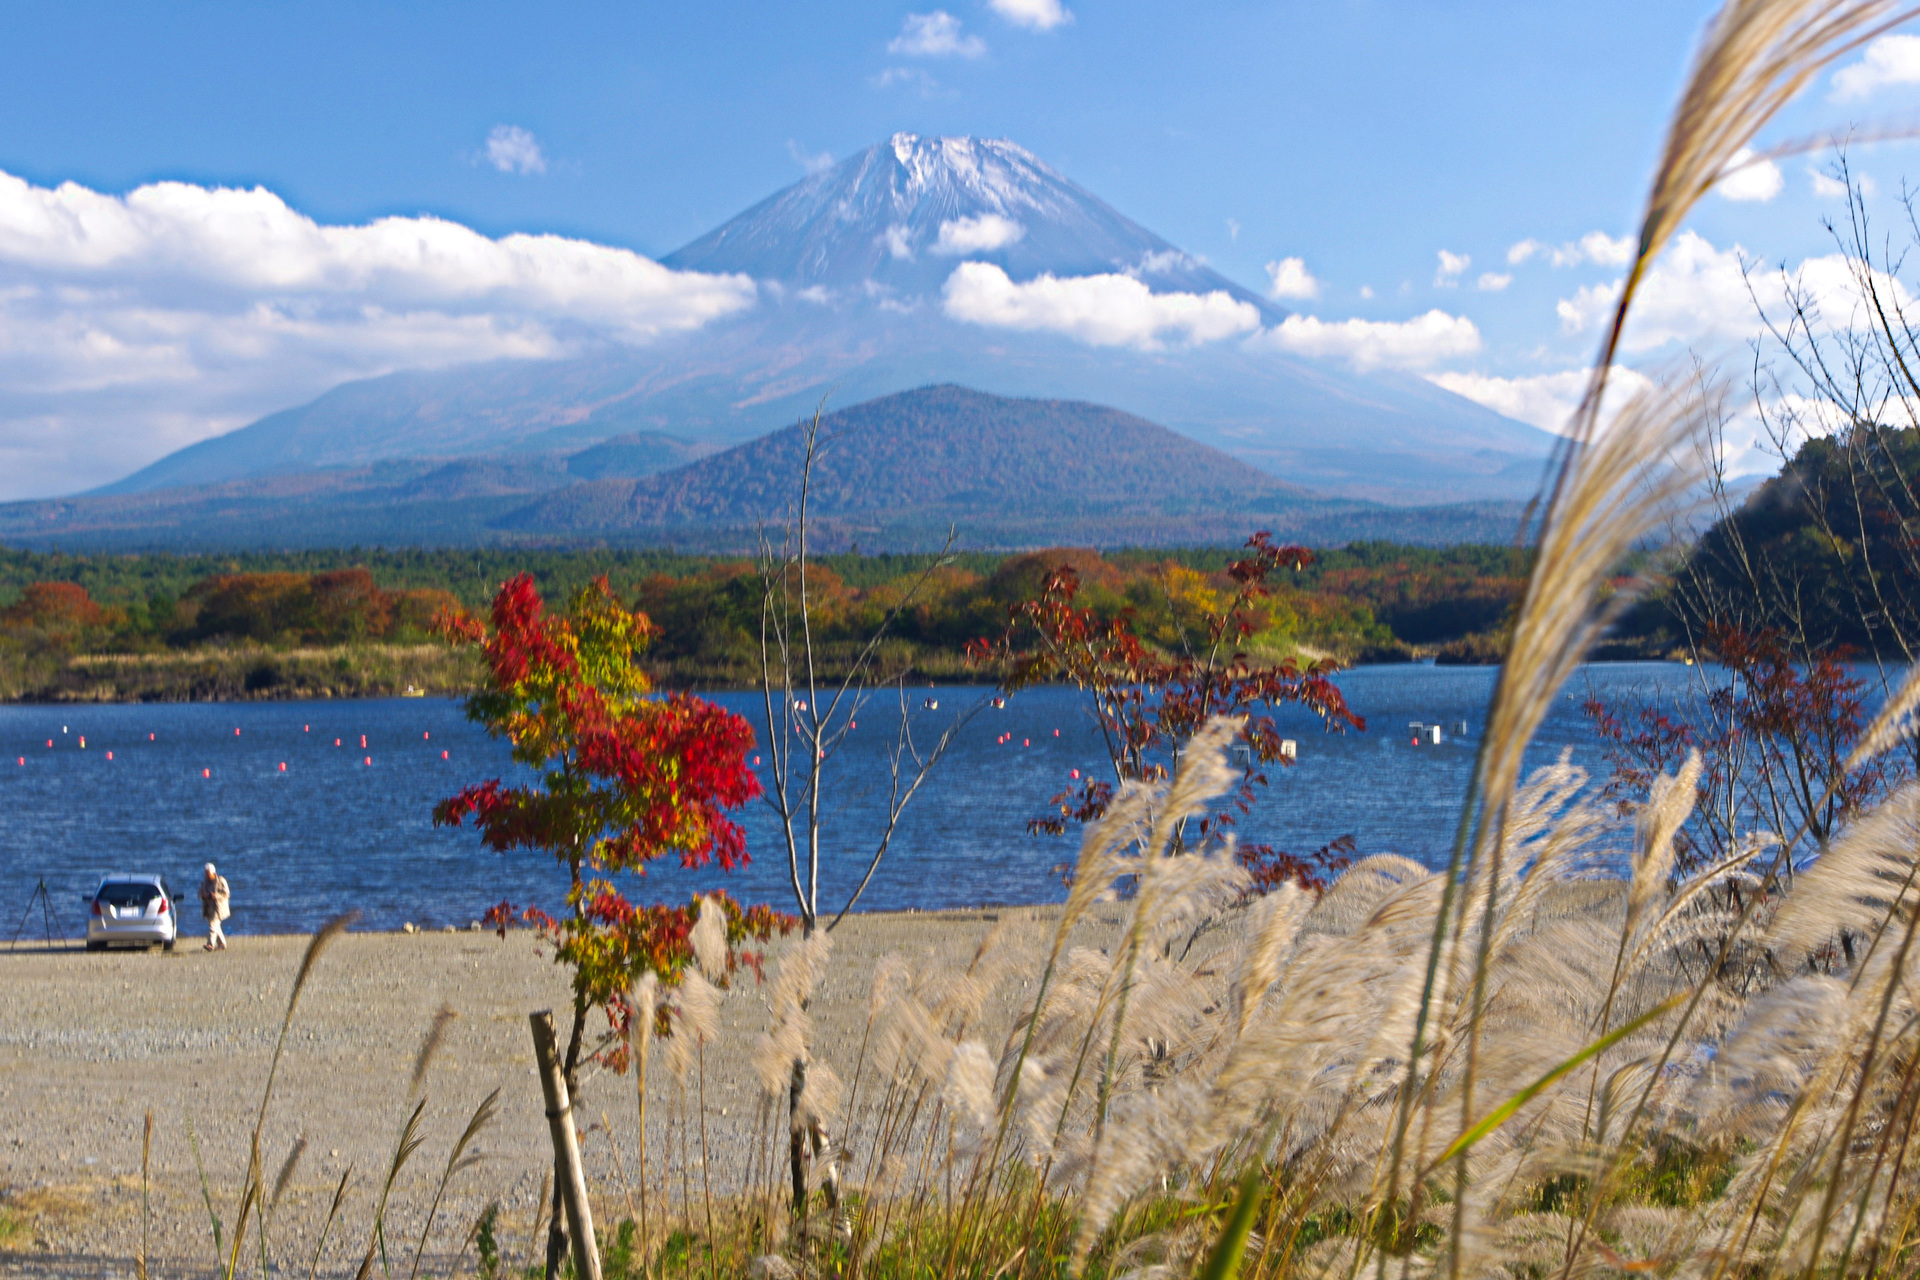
969 1084
709 939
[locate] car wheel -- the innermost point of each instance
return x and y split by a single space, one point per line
95 946
167 945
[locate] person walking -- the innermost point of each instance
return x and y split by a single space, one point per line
214 897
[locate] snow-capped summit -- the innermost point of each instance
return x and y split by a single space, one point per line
900 215
853 305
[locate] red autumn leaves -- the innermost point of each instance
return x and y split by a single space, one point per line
626 777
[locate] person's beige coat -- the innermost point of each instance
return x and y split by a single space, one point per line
214 896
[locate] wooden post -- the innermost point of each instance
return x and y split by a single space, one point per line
566 1149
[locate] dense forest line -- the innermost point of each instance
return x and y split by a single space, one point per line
322 623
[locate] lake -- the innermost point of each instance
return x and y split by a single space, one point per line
350 826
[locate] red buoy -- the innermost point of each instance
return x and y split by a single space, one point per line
109 755
1076 773
443 755
369 759
283 766
206 773
426 735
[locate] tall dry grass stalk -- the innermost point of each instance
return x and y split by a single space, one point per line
1554 1057
1523 1064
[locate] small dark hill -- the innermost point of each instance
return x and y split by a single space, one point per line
941 451
895 473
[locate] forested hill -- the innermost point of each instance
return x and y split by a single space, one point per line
1825 555
940 453
896 473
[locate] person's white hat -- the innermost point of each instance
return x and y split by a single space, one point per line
210 870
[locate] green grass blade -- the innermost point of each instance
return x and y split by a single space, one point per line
206 1192
1505 1111
1224 1262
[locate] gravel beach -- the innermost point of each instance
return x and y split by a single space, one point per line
90 1043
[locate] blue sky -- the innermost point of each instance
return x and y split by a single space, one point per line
1363 137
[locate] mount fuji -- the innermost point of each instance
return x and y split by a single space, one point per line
903 267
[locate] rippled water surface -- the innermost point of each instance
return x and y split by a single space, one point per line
346 826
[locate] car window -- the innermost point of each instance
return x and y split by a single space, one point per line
125 893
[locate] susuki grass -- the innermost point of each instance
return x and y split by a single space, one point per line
1537 1061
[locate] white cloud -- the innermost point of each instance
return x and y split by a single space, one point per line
1493 281
1749 179
935 35
982 234
511 149
1829 187
1233 228
1102 310
812 162
1289 278
1158 262
1604 250
1040 15
133 325
1586 308
1696 295
1522 251
1890 60
1596 247
899 242
1408 344
1451 265
1545 400
1366 291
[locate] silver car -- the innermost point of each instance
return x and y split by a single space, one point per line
132 910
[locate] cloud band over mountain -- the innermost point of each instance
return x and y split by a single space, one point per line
133 324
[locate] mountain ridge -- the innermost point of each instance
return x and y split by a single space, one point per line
897 473
936 448
851 264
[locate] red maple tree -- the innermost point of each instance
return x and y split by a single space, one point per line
1148 702
1774 730
622 777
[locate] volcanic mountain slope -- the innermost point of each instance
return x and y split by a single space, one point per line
897 473
854 266
900 470
392 502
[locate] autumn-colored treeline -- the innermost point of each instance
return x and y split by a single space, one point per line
1363 603
1371 601
333 607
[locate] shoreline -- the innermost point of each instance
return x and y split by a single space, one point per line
222 681
30 944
